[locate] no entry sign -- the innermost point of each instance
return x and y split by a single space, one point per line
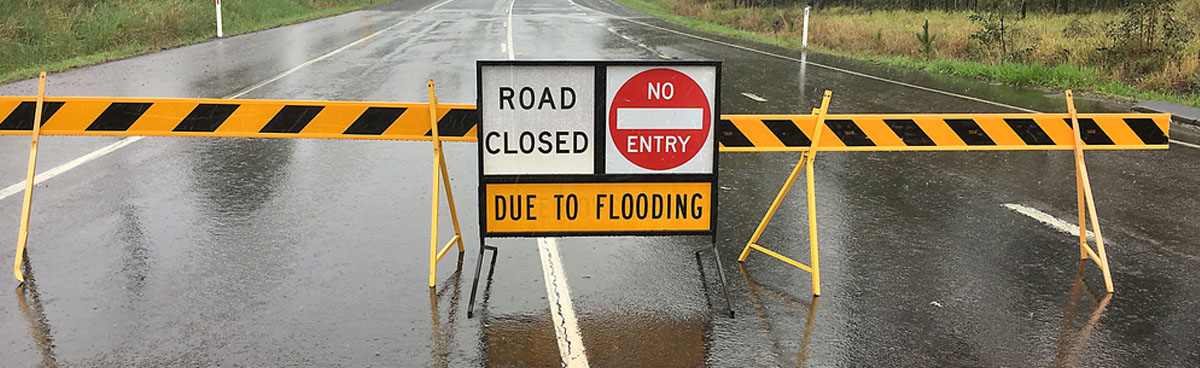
597 148
660 119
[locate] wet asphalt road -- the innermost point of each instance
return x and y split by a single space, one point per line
221 252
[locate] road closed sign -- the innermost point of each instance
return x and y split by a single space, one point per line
597 148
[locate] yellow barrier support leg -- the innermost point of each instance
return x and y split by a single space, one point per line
437 171
806 162
440 176
23 235
1085 186
812 197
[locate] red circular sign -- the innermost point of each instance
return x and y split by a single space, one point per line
659 119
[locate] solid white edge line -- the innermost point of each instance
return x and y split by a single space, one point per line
562 310
1047 219
48 174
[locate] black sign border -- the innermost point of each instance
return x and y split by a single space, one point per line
601 113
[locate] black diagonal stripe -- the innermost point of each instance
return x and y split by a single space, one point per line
849 133
456 123
206 118
1029 131
22 117
731 136
119 116
909 132
788 133
970 133
1090 132
291 119
375 120
1147 130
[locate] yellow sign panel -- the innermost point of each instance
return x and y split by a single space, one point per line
598 207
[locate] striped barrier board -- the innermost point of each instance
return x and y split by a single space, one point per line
943 132
99 116
409 121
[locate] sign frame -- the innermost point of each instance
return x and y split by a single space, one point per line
599 145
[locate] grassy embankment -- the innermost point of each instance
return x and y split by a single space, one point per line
1054 57
55 35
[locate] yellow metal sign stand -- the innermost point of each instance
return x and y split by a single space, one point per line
23 235
440 175
806 161
1083 187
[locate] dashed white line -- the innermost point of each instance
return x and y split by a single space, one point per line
512 55
1045 218
48 174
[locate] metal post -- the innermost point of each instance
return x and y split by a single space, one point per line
23 234
220 32
804 43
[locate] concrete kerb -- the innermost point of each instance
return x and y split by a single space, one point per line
1179 113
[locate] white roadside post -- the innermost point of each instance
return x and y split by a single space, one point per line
221 34
802 43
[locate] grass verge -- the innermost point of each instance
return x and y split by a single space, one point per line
56 35
780 27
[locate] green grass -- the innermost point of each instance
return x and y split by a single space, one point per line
1061 76
56 35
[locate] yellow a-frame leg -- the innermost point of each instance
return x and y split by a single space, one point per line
23 235
439 173
806 161
1083 189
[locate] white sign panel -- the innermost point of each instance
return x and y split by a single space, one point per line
539 120
660 119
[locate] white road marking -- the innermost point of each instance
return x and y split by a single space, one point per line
562 311
503 47
851 72
1186 144
630 39
558 294
48 174
512 55
1045 218
754 97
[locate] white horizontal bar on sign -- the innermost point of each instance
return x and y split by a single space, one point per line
660 118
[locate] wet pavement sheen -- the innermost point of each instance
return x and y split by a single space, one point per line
224 252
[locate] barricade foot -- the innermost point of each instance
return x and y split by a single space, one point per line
721 273
478 267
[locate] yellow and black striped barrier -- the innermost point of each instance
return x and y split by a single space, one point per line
943 132
409 121
100 116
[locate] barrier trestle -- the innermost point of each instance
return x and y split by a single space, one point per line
233 118
939 132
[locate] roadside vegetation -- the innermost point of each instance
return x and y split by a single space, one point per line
55 35
1143 49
